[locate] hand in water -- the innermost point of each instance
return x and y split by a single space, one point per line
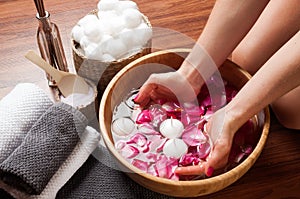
221 135
168 86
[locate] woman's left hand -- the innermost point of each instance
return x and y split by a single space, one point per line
221 134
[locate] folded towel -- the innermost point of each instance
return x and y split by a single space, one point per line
87 144
46 146
19 110
96 180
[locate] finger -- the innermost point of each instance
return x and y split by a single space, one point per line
191 170
162 92
143 96
217 158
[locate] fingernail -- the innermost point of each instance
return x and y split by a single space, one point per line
135 98
210 171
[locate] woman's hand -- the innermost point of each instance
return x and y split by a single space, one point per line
221 131
177 85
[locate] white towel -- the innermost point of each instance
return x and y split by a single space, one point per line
19 110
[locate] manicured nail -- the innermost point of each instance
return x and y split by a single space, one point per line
210 171
135 98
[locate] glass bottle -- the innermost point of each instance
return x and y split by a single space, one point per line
50 45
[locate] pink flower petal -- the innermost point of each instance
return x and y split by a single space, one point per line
172 109
161 146
201 151
193 136
143 117
140 164
157 114
147 129
193 109
138 139
165 166
189 159
152 156
129 151
120 145
146 148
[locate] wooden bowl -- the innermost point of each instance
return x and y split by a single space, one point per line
133 76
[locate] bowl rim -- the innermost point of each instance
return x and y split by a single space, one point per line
237 171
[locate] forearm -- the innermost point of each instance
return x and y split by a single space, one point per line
278 76
228 23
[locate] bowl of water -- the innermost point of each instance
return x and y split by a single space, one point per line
133 76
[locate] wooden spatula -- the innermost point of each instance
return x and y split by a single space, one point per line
67 83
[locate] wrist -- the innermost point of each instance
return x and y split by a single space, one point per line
192 75
235 117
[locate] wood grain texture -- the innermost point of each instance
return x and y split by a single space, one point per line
276 173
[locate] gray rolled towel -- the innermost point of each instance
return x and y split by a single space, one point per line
46 146
19 110
96 180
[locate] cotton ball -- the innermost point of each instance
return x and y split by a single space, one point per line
123 5
111 22
93 51
93 31
84 42
116 25
106 38
106 27
132 17
107 15
108 58
77 33
111 26
127 36
105 5
143 33
115 47
87 19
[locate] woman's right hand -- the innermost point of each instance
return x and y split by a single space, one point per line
182 85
